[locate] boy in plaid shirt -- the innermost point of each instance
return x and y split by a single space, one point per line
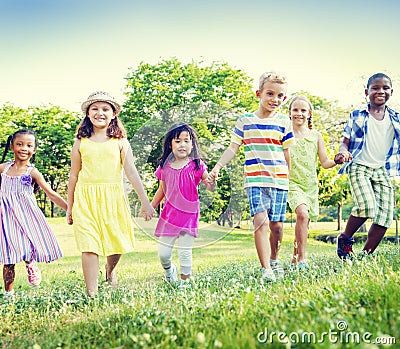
370 153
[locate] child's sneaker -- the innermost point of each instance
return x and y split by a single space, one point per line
34 275
344 246
303 265
277 268
8 295
268 275
185 284
171 274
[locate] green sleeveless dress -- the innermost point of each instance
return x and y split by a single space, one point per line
303 184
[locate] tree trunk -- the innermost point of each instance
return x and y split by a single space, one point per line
339 216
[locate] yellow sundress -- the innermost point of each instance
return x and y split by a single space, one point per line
101 213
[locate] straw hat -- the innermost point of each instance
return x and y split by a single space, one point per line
100 96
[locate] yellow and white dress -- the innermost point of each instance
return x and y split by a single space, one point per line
101 213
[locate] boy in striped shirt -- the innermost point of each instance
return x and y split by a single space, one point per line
266 137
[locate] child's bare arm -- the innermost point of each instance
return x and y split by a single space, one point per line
133 176
344 155
323 157
158 196
226 157
210 185
76 165
52 195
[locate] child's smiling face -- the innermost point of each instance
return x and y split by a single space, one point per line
100 114
23 146
379 91
299 112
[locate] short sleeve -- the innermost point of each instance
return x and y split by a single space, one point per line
288 138
159 173
348 127
238 132
202 168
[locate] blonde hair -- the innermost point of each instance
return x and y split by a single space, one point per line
271 77
304 99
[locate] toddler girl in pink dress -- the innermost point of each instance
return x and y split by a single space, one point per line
180 171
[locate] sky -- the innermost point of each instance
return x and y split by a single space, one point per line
57 52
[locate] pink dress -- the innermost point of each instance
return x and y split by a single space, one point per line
182 206
24 233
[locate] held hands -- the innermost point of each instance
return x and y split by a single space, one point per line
213 175
69 217
342 156
147 211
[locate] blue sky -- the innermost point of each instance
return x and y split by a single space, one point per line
59 51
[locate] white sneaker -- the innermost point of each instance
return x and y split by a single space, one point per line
8 295
171 274
267 275
277 268
185 284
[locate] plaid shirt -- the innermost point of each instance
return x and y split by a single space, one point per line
356 129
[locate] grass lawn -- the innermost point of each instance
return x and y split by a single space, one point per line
334 305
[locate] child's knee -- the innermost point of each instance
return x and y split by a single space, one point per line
276 228
165 258
9 267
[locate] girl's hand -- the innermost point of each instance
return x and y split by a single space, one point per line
147 211
69 217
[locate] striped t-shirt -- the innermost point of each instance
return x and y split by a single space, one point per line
264 141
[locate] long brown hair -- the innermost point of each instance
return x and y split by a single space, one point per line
114 130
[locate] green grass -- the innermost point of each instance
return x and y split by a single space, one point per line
227 308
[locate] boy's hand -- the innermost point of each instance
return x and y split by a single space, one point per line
343 156
213 175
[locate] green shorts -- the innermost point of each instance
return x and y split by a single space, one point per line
372 192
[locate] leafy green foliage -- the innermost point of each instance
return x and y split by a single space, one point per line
154 89
209 98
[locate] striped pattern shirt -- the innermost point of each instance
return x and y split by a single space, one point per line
25 233
264 141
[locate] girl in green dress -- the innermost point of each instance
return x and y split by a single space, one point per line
303 185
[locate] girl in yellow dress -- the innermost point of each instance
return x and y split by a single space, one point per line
97 204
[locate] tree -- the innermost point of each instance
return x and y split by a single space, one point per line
210 98
154 89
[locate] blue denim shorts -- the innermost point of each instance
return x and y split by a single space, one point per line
268 199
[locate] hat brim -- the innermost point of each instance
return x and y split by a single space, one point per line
86 105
